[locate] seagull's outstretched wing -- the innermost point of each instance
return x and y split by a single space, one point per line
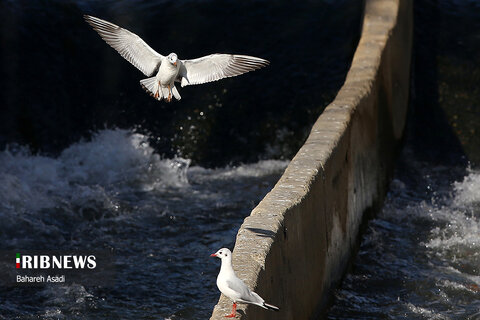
128 44
217 66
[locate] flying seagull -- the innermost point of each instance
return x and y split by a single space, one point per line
165 71
234 288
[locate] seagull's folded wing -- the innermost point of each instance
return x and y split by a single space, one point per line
217 66
244 292
128 44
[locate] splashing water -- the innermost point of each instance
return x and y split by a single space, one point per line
420 257
161 217
114 161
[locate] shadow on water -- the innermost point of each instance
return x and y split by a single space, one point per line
432 137
446 100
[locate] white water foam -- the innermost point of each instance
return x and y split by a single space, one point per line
439 277
259 169
113 161
459 229
467 192
454 216
428 314
94 172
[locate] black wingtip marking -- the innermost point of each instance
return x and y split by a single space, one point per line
270 307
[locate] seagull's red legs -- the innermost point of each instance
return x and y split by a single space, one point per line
169 94
156 93
234 311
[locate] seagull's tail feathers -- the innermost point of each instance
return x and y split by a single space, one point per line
270 307
175 93
261 303
152 87
164 92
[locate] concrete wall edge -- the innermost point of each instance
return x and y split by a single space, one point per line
295 245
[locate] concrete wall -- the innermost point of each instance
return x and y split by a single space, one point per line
296 244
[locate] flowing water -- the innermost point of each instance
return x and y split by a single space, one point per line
420 257
89 161
145 193
160 217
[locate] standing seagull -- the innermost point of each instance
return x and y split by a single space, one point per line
234 288
167 70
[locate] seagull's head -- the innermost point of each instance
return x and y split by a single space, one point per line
172 58
222 253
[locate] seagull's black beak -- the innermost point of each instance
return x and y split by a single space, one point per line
213 255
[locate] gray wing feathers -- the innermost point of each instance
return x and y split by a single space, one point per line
217 66
128 45
246 294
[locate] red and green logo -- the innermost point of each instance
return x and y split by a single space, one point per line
17 260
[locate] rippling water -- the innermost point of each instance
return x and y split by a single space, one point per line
161 217
420 257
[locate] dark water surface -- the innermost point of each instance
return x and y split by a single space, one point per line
420 257
60 81
89 161
447 73
161 219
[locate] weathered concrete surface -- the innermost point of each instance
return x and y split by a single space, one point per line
295 245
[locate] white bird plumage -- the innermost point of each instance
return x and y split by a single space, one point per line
165 71
234 288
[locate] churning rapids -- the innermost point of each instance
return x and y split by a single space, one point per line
420 258
160 217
